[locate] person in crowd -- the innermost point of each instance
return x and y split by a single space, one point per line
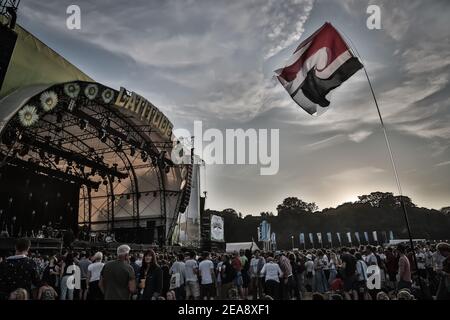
51 272
68 269
299 272
334 264
178 270
245 262
349 274
361 273
19 294
309 273
47 292
84 263
256 265
287 284
93 277
392 267
18 271
320 280
117 280
272 274
165 267
237 265
443 291
206 271
382 296
151 277
191 272
404 269
227 275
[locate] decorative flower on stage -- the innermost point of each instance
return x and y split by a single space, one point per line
28 116
72 90
107 95
49 100
91 91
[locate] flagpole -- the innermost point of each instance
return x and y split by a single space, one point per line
394 167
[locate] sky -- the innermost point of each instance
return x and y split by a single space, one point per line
213 61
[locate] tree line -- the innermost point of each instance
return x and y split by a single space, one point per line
377 211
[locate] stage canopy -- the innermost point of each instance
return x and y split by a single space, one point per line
114 144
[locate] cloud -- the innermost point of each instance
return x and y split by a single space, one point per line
441 164
359 136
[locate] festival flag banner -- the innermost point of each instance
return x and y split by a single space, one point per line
320 64
366 236
375 236
311 238
339 237
302 238
384 236
319 236
357 236
329 237
391 235
349 237
273 238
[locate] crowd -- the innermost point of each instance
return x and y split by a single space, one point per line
317 274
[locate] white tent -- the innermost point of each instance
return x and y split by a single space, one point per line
237 246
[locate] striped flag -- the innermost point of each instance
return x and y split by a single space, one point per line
320 64
311 238
339 237
319 236
329 237
391 235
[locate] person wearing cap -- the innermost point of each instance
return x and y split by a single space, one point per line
309 273
93 277
117 280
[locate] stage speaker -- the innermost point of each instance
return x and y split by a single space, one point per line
8 40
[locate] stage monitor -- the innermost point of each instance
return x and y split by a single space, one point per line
217 228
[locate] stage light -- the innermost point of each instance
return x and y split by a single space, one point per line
132 151
24 150
102 135
144 156
83 124
118 142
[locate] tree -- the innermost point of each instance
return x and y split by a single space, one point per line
445 210
378 199
295 204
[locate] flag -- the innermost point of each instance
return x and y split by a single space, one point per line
349 237
329 237
366 236
357 236
339 237
311 238
259 234
384 235
375 236
391 235
302 238
319 236
273 238
320 64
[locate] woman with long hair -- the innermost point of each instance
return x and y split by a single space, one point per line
151 277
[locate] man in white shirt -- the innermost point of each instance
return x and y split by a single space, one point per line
272 274
256 265
191 280
179 267
206 271
93 277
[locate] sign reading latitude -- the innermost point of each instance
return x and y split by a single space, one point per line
145 110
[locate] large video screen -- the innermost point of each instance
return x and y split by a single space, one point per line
217 231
